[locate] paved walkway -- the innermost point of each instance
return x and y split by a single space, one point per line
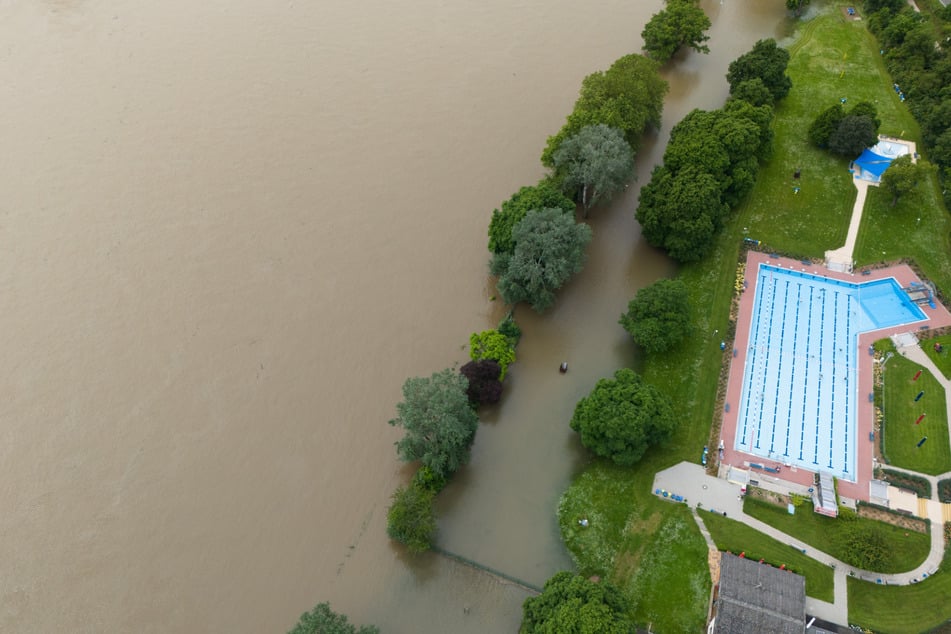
710 494
841 259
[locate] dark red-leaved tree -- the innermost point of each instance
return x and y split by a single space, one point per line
484 385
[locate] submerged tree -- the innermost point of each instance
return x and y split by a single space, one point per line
546 194
572 603
323 620
622 417
485 388
411 519
658 318
549 249
796 5
594 164
767 61
440 425
680 23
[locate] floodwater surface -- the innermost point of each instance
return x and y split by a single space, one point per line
228 232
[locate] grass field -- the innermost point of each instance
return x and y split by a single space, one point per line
828 534
919 607
645 545
901 434
738 537
941 359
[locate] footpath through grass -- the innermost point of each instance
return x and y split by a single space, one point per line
834 535
919 607
738 537
900 433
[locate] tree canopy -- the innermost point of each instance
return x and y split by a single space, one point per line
825 124
903 176
571 604
594 164
411 519
494 345
545 195
767 61
658 318
681 212
549 249
680 23
485 388
628 96
622 417
710 164
323 620
439 423
853 134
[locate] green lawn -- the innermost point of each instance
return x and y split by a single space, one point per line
645 545
738 537
828 534
901 434
941 359
919 607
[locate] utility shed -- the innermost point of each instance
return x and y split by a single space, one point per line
755 598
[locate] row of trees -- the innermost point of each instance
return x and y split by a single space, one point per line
535 241
438 416
917 52
712 158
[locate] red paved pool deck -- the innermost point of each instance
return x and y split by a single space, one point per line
865 415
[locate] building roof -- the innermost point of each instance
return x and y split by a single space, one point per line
756 598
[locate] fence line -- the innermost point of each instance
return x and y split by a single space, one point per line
483 568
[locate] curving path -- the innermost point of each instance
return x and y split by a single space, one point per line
708 493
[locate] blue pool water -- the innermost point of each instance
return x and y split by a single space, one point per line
799 397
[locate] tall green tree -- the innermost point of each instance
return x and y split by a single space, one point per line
680 23
546 194
658 318
622 417
411 519
549 249
323 620
594 164
902 176
767 61
572 604
439 423
628 96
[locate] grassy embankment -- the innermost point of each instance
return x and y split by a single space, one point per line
738 537
648 546
901 434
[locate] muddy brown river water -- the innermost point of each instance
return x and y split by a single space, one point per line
228 232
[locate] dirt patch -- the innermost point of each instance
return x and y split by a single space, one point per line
907 522
777 499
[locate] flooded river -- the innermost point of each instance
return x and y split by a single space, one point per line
228 232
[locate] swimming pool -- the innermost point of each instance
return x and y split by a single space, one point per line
799 391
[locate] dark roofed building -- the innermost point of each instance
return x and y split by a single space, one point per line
755 598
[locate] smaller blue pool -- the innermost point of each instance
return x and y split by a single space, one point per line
885 304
